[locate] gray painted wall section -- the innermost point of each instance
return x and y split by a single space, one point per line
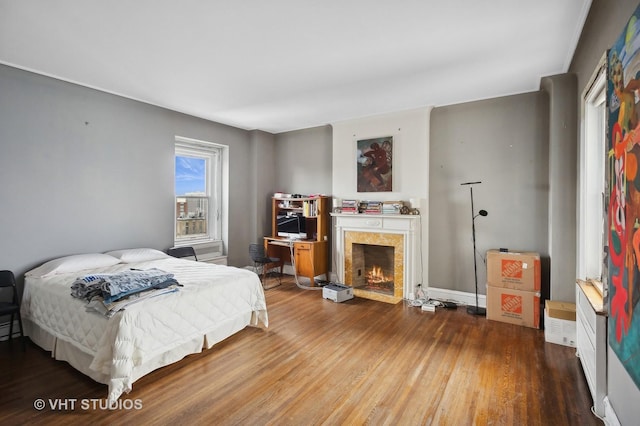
603 26
263 172
503 143
304 161
85 171
563 172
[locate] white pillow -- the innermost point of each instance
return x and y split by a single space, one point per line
137 255
74 263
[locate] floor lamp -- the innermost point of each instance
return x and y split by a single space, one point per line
475 310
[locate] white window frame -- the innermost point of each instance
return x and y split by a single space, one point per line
591 179
214 155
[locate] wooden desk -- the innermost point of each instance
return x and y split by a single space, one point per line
310 256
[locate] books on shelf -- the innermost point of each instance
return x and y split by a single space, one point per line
306 206
310 208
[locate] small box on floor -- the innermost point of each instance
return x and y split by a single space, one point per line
337 292
560 323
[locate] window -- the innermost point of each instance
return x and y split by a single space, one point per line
591 190
198 188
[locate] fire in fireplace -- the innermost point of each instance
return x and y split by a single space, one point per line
373 268
376 280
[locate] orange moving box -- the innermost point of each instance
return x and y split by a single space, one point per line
513 306
517 270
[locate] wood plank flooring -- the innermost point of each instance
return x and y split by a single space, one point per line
320 362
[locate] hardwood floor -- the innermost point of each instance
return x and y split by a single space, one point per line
320 362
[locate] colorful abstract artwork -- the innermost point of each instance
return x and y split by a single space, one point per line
374 164
623 198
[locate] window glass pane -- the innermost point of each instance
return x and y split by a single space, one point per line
190 176
192 205
192 215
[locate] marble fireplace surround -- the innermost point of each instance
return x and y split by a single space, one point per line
398 231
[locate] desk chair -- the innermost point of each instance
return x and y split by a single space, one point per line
8 280
183 252
263 264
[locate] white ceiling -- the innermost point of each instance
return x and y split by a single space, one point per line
283 65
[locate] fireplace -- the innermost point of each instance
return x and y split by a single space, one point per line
376 255
372 268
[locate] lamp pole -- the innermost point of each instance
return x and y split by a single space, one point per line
475 310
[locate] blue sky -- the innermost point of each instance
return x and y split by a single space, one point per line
190 174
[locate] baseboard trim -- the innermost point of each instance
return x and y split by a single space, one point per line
459 297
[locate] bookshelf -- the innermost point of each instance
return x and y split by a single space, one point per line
315 211
311 254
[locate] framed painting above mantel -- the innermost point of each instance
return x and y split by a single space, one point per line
374 164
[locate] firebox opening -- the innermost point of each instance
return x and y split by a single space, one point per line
374 266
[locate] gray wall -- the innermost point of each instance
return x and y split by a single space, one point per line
296 162
502 142
85 171
304 161
563 154
303 165
603 26
263 172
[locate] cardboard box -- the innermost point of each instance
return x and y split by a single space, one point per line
560 323
560 310
517 270
513 306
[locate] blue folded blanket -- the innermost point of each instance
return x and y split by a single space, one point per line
113 287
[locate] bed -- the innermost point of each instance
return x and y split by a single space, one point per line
211 303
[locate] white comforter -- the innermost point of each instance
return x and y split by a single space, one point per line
214 302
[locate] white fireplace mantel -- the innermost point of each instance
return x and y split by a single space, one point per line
406 225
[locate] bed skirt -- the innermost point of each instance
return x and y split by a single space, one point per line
79 359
